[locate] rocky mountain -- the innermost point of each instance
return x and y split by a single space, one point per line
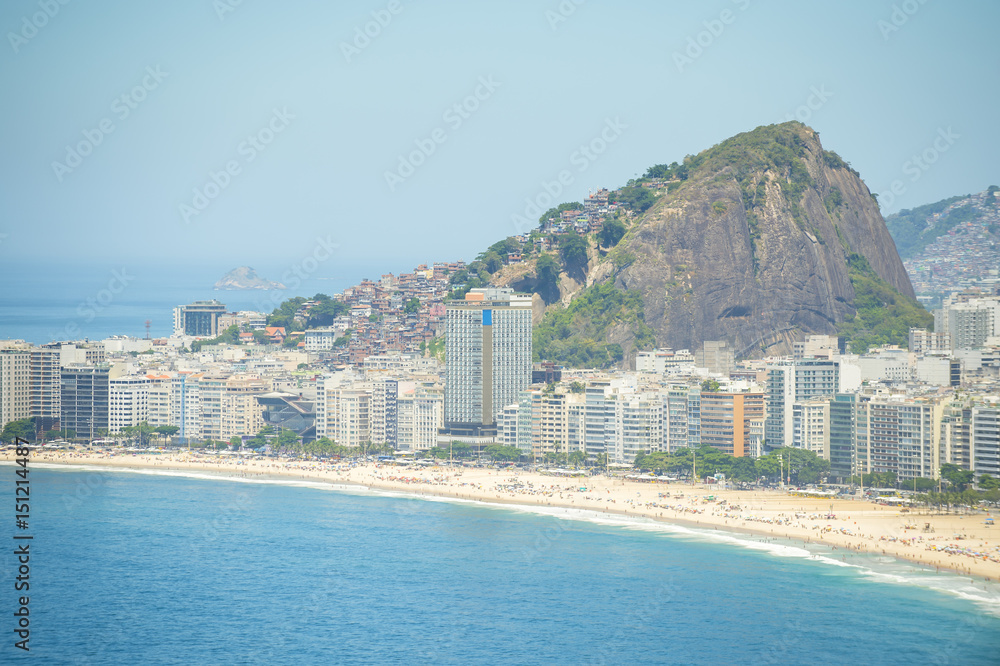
914 230
243 278
759 240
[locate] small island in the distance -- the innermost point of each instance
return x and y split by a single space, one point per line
245 277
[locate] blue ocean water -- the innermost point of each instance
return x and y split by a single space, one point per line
131 567
47 301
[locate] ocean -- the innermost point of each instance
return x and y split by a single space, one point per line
181 567
44 302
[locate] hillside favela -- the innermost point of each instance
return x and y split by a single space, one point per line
687 393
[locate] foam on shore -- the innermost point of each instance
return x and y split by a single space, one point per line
881 569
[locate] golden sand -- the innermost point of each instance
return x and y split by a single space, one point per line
952 542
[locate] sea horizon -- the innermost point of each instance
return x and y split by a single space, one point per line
93 302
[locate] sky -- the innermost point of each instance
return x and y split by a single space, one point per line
338 137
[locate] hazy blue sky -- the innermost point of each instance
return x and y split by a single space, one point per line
200 77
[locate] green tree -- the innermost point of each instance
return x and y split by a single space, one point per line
23 428
461 449
959 478
166 432
493 262
412 306
503 453
287 439
140 434
987 482
743 470
768 466
324 312
573 252
230 336
612 231
554 213
636 198
547 274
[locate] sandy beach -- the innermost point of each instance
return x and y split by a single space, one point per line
961 543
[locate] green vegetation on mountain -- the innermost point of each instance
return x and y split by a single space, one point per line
554 213
573 252
672 171
634 197
577 335
779 149
909 227
612 231
547 272
884 316
321 314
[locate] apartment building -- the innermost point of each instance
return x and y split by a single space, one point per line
488 358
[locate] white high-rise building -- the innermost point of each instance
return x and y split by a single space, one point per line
420 414
969 323
789 382
488 358
15 385
128 399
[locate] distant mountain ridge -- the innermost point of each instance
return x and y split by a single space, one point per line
914 229
950 245
243 278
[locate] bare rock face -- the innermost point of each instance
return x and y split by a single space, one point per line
752 247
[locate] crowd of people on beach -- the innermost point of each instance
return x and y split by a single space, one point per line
759 511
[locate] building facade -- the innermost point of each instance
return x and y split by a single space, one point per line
488 357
